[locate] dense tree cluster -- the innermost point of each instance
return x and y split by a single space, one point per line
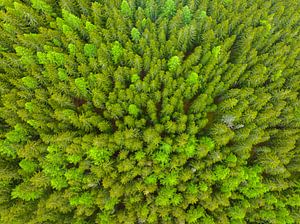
147 111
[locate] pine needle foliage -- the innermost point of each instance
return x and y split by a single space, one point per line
149 111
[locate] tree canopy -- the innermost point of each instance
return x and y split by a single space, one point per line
167 111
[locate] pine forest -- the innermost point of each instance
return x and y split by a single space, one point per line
149 111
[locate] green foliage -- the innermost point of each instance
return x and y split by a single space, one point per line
62 74
149 111
174 63
254 186
41 5
161 158
117 52
190 148
203 187
85 199
170 179
231 158
6 149
30 82
135 34
237 213
25 54
276 76
165 196
152 179
134 78
90 50
98 156
17 135
26 192
216 51
71 19
220 172
169 8
186 15
125 8
133 110
59 182
192 78
72 49
194 214
81 84
222 134
55 58
207 142
140 155
28 166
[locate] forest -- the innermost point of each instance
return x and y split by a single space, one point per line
149 111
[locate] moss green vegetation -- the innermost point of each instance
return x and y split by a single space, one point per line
147 111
